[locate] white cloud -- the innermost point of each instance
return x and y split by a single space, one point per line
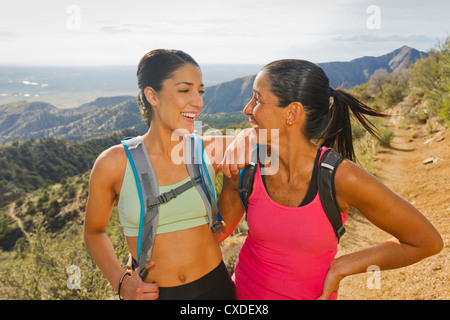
115 29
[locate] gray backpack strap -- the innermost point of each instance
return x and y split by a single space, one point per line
197 170
171 194
150 198
325 182
147 189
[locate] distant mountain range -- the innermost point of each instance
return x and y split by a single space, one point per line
25 120
69 87
233 95
358 71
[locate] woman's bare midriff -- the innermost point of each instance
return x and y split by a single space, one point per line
182 256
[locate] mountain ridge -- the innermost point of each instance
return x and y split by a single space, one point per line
25 120
341 74
362 68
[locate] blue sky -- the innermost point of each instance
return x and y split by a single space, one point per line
80 32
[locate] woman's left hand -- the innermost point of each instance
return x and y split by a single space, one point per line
331 283
238 154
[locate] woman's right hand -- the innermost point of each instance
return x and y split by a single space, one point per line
133 288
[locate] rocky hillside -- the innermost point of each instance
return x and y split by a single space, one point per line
26 120
28 165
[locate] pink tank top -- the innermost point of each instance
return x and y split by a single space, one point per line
288 250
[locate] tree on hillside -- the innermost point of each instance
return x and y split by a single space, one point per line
396 87
430 79
376 82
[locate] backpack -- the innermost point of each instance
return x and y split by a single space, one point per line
328 164
150 199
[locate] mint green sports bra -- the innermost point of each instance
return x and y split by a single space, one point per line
185 211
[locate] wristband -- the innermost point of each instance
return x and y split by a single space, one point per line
120 284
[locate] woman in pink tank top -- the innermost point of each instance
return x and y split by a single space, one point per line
291 246
288 249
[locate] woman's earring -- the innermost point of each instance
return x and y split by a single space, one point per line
288 122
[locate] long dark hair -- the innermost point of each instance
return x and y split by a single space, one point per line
155 67
302 81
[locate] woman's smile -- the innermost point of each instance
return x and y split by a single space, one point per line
189 116
252 121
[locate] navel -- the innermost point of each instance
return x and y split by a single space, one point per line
182 278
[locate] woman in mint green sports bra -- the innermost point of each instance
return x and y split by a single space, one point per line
186 262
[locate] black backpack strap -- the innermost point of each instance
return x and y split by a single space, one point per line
246 178
325 181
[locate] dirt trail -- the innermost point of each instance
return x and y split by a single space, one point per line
427 187
12 214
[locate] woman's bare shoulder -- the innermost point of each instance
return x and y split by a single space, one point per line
358 188
348 181
348 172
111 160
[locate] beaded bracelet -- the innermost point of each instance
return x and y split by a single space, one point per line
120 283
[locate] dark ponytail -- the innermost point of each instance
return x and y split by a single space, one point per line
294 80
338 133
155 67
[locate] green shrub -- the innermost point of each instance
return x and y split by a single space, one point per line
42 267
430 80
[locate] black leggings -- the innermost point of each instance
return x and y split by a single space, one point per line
215 285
